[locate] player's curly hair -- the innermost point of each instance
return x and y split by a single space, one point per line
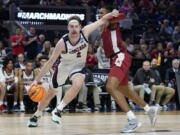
6 62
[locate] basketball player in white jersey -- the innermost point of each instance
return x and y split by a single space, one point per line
72 48
26 77
11 80
47 77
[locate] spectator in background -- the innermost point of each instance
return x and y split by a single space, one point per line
129 46
47 49
133 15
91 60
145 77
170 50
145 51
141 41
17 42
4 3
176 37
143 16
146 4
20 64
152 45
81 106
166 31
138 54
170 73
58 2
42 39
125 8
93 88
44 2
170 78
23 33
158 51
103 62
3 53
150 35
163 93
32 44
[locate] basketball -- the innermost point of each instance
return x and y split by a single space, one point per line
37 93
117 19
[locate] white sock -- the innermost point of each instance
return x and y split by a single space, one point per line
1 102
61 105
21 103
130 115
146 108
5 102
38 113
59 95
15 103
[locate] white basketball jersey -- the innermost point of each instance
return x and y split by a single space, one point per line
46 77
29 78
75 54
8 77
72 61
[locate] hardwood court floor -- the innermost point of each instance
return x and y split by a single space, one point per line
89 124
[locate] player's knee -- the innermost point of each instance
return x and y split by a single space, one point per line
109 87
2 85
77 86
172 91
160 93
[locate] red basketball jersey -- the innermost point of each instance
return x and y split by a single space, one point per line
112 42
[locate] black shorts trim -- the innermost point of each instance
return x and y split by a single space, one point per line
54 79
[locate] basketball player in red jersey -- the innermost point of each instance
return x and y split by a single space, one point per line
117 84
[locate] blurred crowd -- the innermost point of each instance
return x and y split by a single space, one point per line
151 33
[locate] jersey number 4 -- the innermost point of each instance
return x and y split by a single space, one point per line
79 54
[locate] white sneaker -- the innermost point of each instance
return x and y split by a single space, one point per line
113 105
33 121
47 109
153 112
131 126
159 107
165 108
56 115
22 108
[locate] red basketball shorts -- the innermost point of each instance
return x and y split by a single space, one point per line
122 72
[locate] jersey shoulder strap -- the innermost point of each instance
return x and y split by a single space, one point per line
65 38
84 36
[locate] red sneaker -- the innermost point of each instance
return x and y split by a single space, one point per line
2 108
